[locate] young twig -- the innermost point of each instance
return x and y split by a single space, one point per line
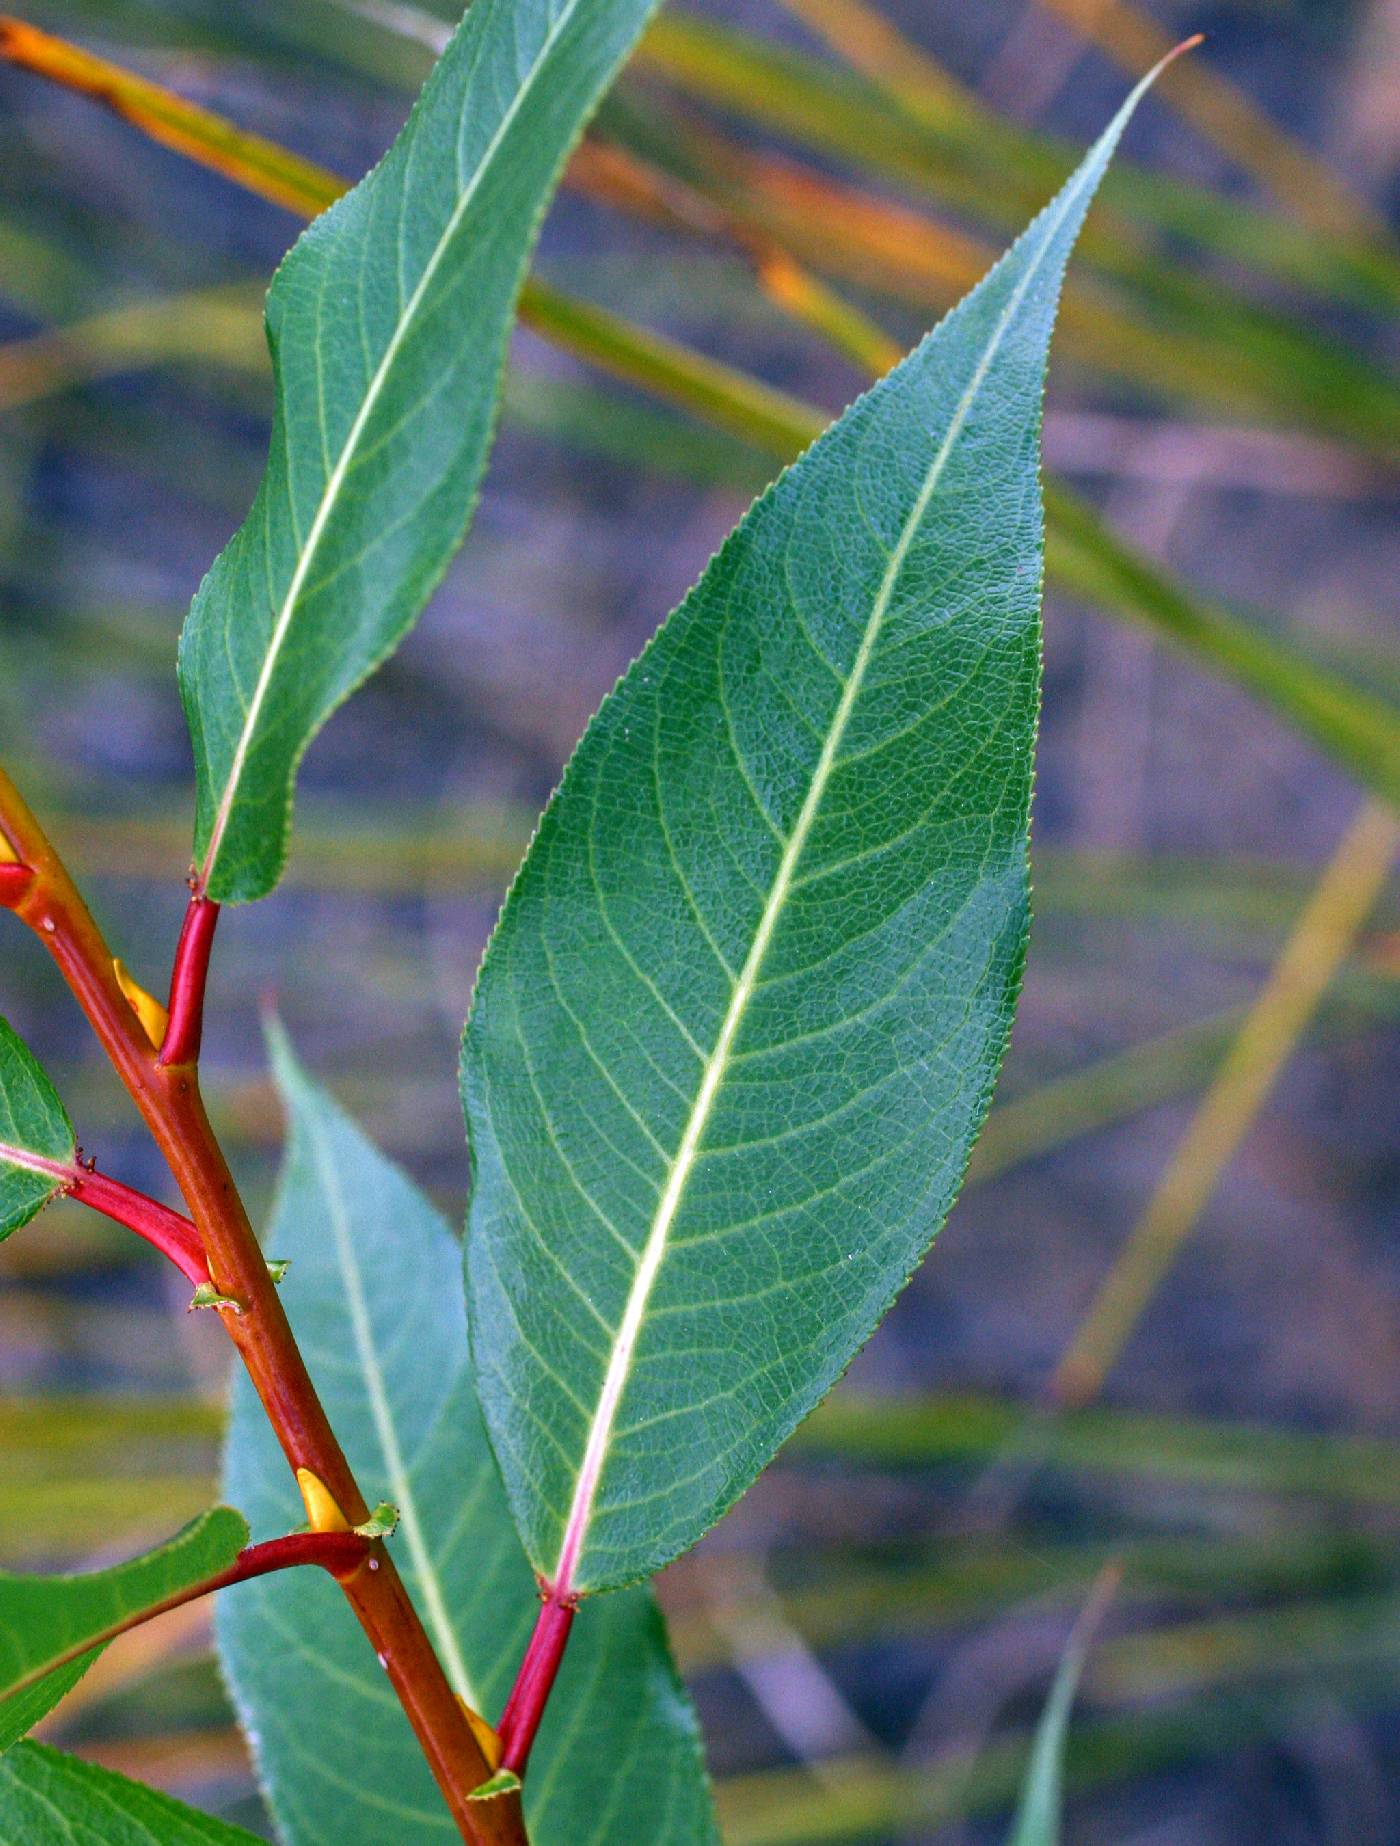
168 1097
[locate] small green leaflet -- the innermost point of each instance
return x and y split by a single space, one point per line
48 1799
36 1136
388 326
741 1018
375 1294
53 1628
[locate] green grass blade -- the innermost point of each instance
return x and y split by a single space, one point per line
918 1432
1350 724
1039 1817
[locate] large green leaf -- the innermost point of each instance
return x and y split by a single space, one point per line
741 1018
388 326
374 1291
36 1136
53 1628
47 1799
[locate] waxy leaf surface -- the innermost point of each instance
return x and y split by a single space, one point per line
36 1135
374 1292
388 325
48 1799
741 1018
53 1628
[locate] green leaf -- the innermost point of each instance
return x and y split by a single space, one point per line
388 325
740 1022
47 1799
375 1296
53 1628
1039 1815
36 1136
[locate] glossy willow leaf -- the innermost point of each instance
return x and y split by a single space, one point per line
741 1018
374 1292
36 1136
53 1628
48 1799
387 325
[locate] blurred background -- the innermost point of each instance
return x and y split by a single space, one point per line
1161 1324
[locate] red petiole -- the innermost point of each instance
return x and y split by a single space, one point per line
187 982
520 1721
171 1234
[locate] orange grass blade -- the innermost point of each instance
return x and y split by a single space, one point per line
259 165
302 186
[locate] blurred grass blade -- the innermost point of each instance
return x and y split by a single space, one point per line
1106 1092
917 1432
260 165
52 1628
213 326
1323 937
873 45
861 1800
1174 334
1039 1818
47 1799
611 175
1083 555
1358 729
970 159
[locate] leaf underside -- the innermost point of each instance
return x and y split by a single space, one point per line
741 1018
44 1619
388 323
48 1799
374 1291
32 1122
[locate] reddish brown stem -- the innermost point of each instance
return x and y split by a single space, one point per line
187 982
520 1721
169 1100
171 1234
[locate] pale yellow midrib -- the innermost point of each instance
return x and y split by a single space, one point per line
400 1488
336 479
654 1251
